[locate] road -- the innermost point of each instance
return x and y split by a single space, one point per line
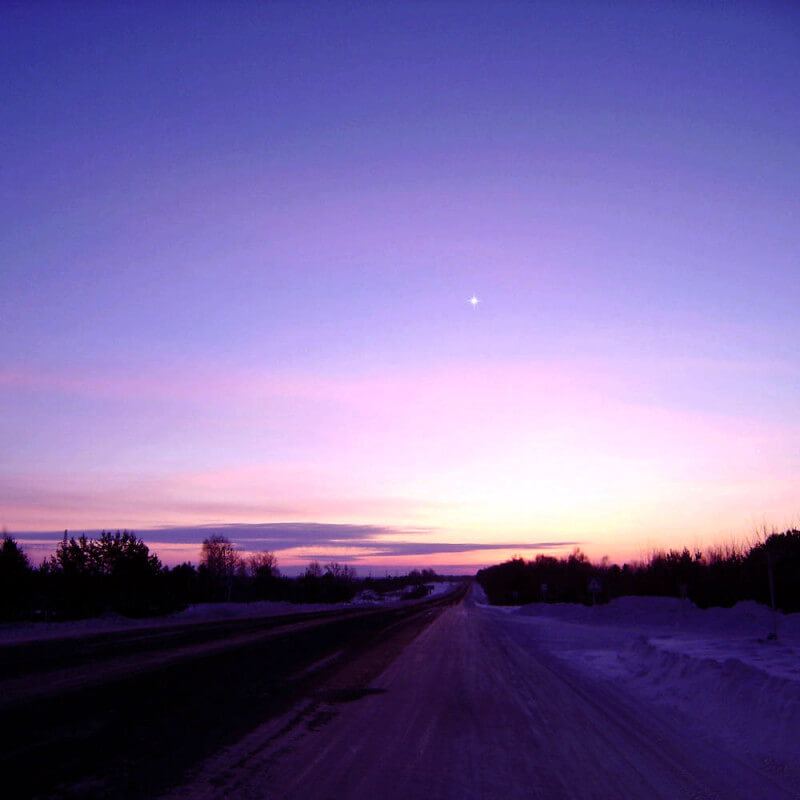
126 714
71 665
471 710
49 666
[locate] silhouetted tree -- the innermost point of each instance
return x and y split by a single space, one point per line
221 560
340 572
313 570
182 585
115 571
262 569
779 552
263 564
722 576
15 579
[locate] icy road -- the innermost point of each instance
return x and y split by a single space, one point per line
478 706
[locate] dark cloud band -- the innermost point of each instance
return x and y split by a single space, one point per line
370 540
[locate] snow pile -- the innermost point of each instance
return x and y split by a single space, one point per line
737 701
479 595
371 598
746 618
30 631
208 612
652 611
678 626
716 668
440 587
368 597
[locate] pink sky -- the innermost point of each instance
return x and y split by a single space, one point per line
578 451
237 250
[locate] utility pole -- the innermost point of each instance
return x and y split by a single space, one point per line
774 634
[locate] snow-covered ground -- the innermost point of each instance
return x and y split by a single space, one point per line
370 598
678 627
201 612
717 670
556 703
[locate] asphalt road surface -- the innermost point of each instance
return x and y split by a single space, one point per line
124 715
469 711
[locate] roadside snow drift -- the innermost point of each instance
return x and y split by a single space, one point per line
718 669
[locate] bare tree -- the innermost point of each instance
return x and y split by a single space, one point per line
262 565
342 572
221 559
314 570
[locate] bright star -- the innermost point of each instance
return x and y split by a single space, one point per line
474 300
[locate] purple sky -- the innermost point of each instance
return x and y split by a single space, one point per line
237 244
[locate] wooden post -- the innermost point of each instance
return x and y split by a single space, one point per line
772 597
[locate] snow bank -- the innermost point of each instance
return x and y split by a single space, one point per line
207 612
678 626
440 587
716 669
659 611
30 631
746 618
479 595
739 702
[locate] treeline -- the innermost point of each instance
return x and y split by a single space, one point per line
719 577
116 572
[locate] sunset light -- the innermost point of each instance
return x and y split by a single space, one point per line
253 322
400 400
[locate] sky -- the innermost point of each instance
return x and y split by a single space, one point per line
238 243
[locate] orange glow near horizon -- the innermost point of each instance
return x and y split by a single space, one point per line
251 304
518 453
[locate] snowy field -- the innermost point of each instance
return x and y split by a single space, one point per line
717 671
201 612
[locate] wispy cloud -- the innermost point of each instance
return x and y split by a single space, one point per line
315 540
586 449
373 549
